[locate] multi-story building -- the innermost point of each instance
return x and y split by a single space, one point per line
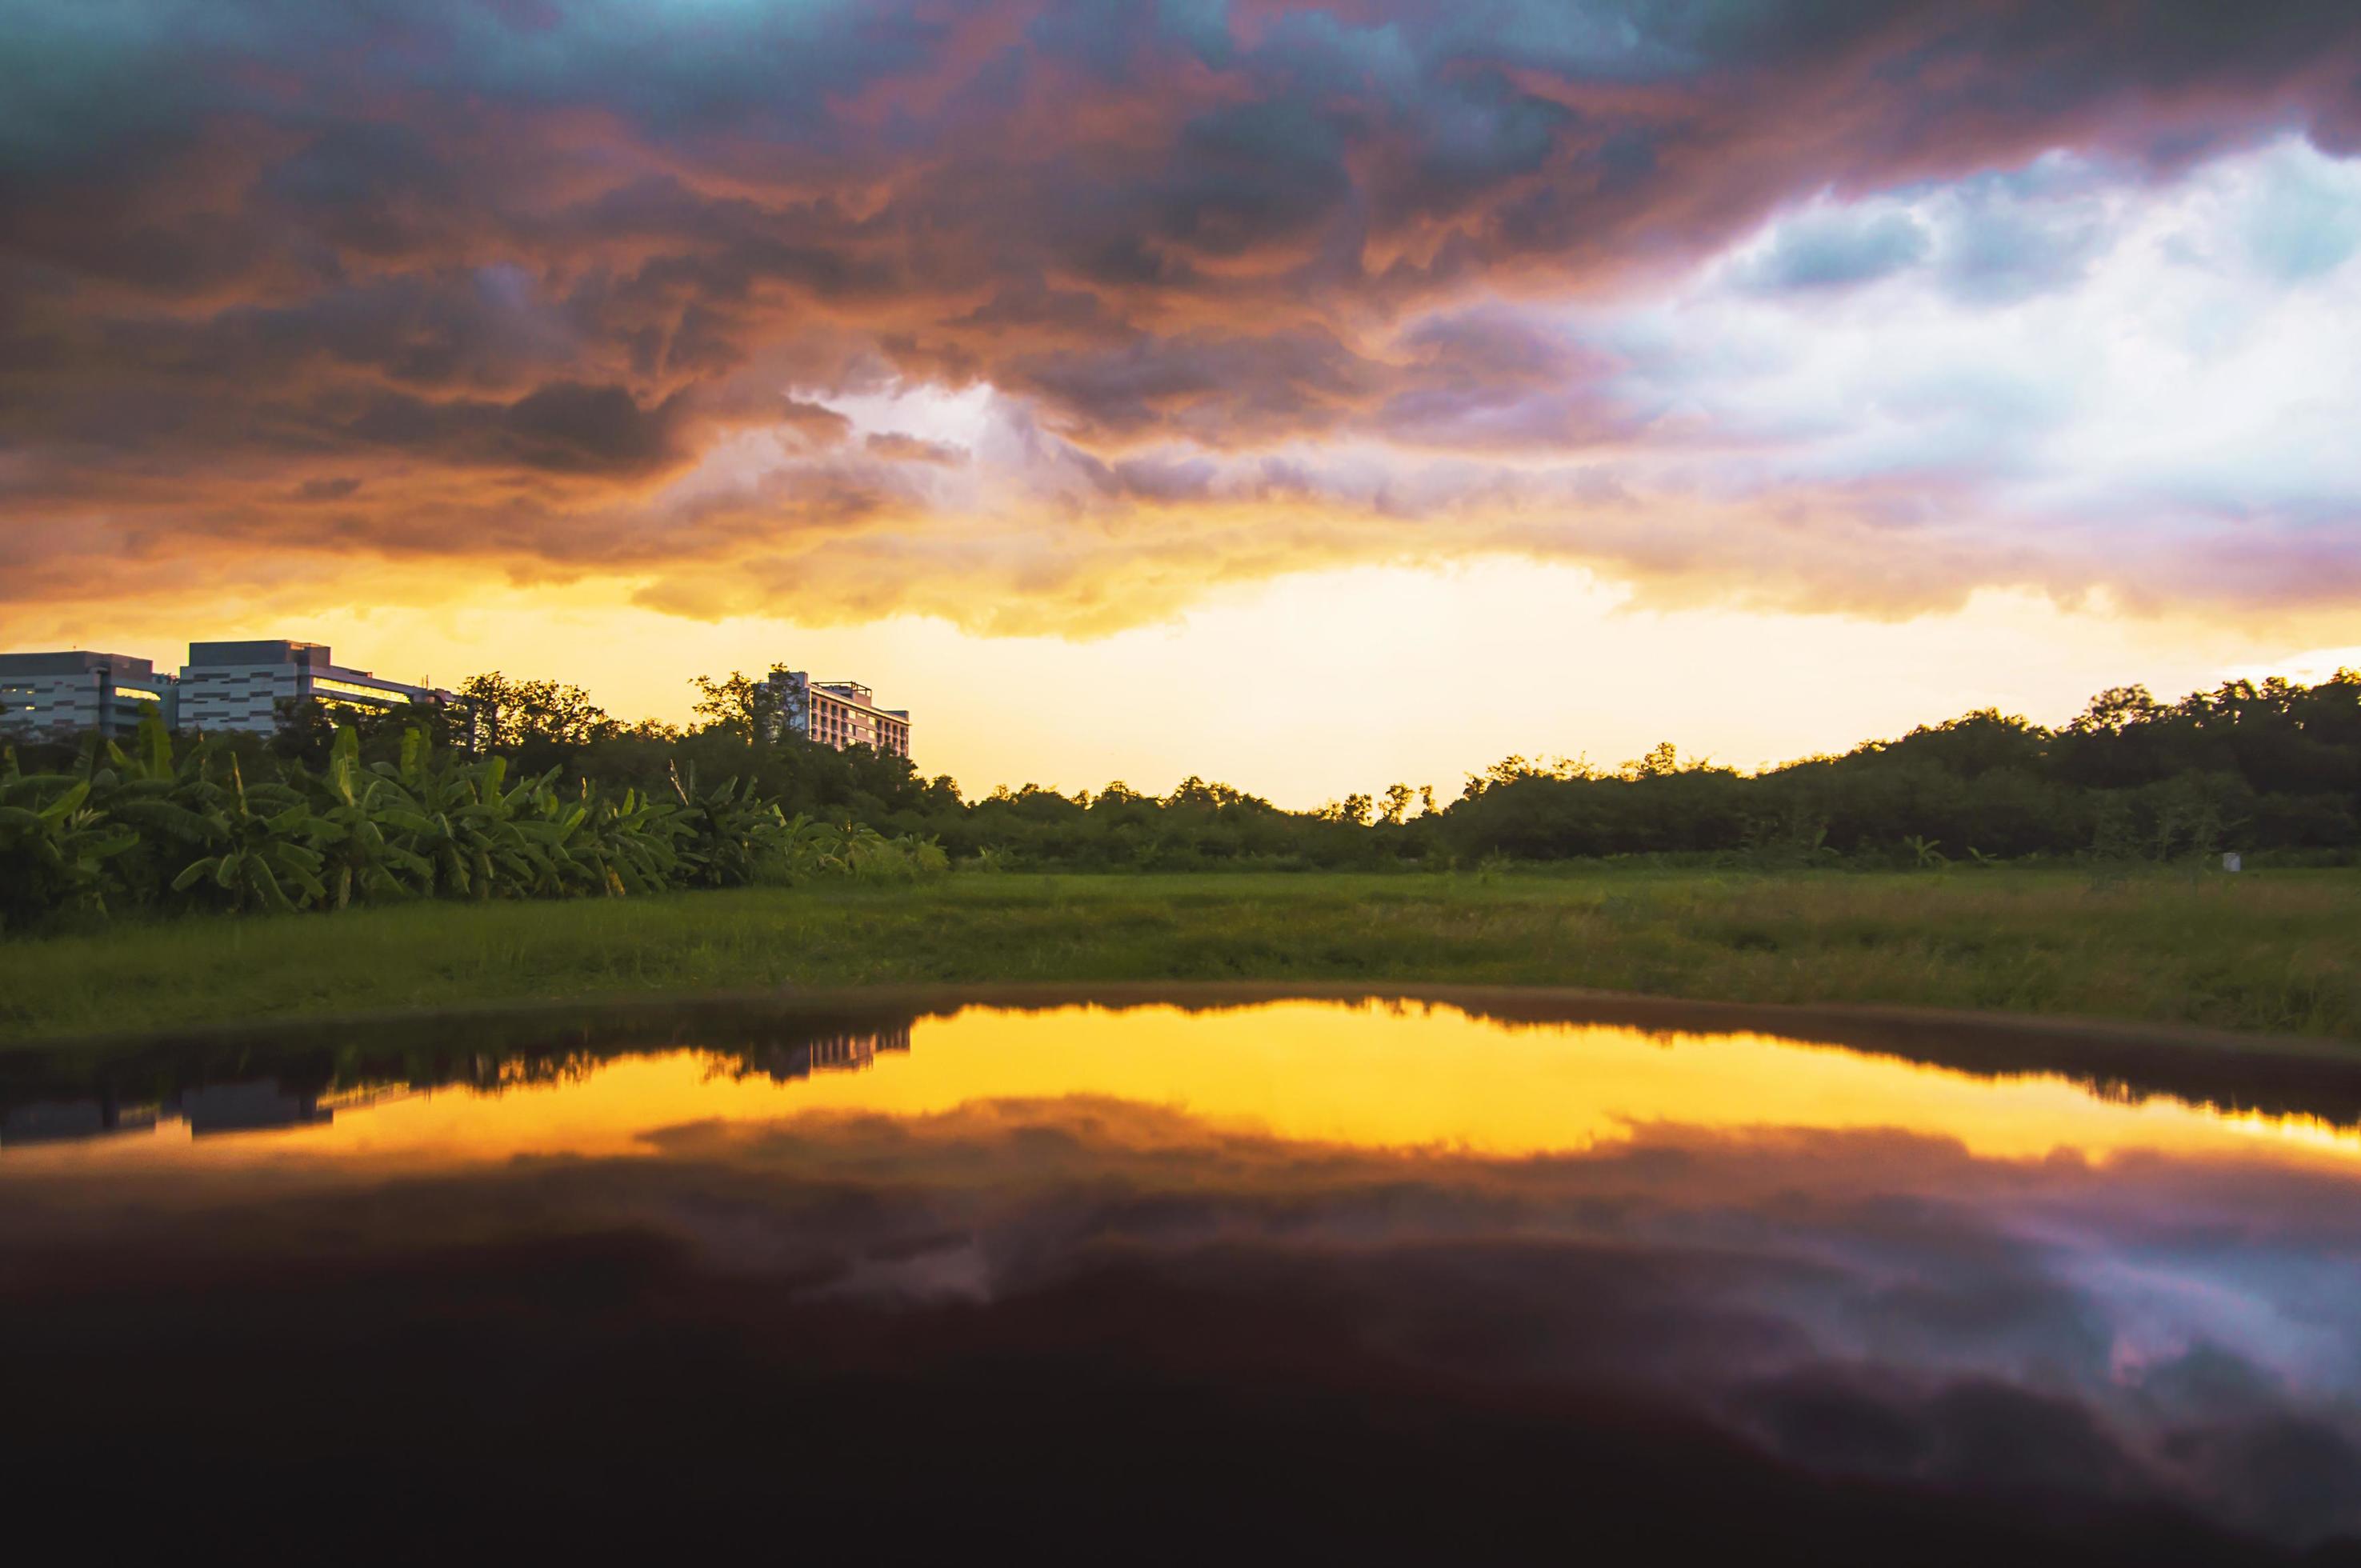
838 714
783 1060
239 686
64 693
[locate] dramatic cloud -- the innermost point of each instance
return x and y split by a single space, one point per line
1045 315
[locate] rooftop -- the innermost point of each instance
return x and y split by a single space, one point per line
77 662
261 651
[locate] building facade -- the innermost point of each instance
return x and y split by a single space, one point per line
239 686
838 714
60 695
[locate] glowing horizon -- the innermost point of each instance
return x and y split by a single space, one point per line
1388 707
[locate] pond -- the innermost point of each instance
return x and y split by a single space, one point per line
1484 1274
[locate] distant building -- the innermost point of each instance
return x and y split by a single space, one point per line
848 1052
839 714
239 686
64 693
251 1107
58 1121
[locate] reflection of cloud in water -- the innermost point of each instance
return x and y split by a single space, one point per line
1865 1302
2161 1314
1871 1301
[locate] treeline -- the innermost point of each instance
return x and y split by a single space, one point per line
2272 768
159 829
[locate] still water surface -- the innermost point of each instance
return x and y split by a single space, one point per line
1488 1279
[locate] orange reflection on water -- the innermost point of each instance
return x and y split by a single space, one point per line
1364 1075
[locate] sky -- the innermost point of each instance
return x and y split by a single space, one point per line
1310 398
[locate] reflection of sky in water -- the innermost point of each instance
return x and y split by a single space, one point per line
1364 1075
1862 1264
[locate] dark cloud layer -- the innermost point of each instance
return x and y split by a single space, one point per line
493 275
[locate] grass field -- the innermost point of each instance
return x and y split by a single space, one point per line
2278 951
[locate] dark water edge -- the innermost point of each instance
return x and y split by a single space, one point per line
1192 1346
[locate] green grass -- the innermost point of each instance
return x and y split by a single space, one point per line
2274 951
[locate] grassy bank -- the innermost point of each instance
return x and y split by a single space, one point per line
2277 952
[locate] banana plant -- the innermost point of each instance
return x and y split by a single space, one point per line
264 859
54 844
813 850
349 815
145 824
557 854
450 817
728 835
166 799
632 843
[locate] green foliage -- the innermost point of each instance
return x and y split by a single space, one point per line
495 714
1926 853
265 850
753 710
524 788
2269 767
55 844
2275 766
143 829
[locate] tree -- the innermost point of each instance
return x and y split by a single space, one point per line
1515 769
753 710
1975 743
306 731
1662 761
497 714
2116 709
1354 810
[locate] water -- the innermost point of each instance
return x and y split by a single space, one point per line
1491 1278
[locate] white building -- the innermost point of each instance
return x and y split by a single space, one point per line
839 714
62 694
239 686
